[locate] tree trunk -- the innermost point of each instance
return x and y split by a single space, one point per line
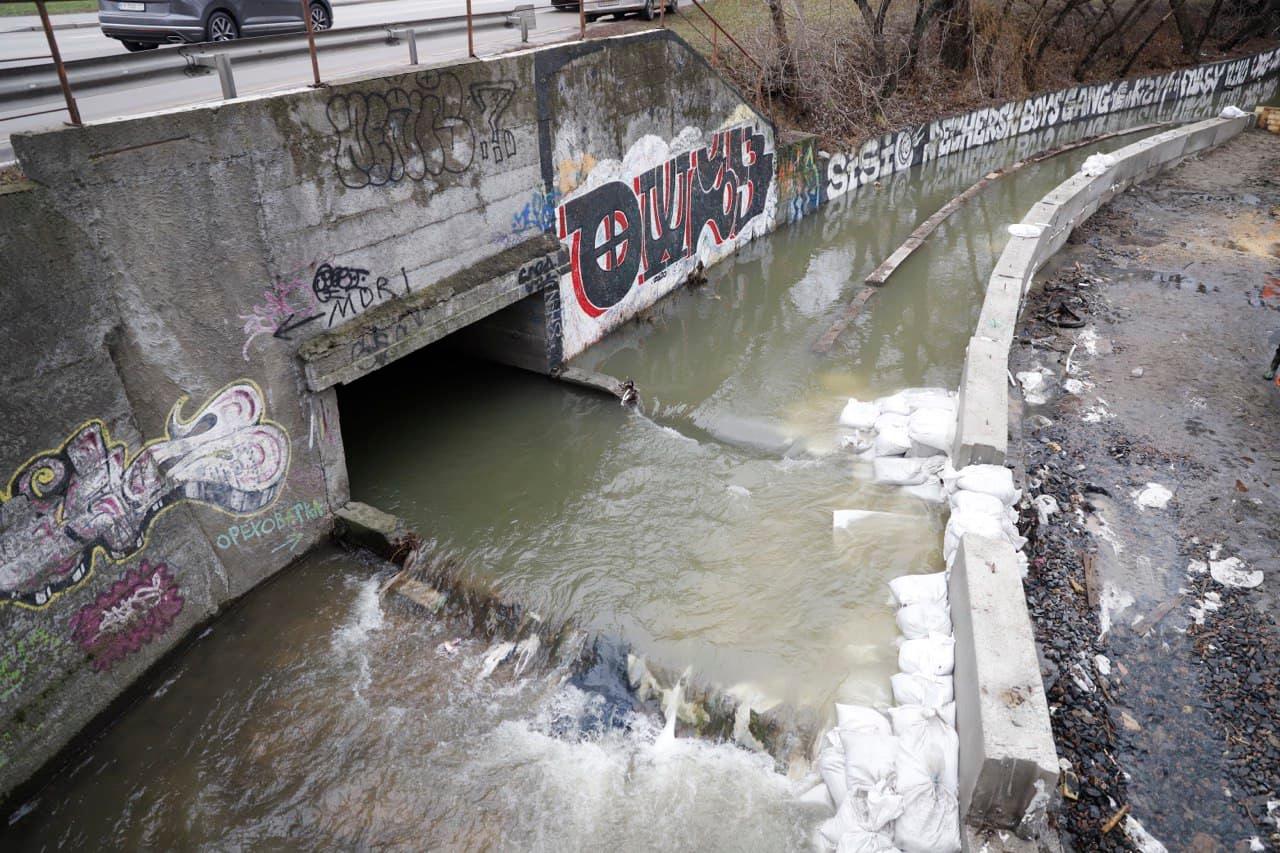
1134 13
1143 44
786 66
957 36
1209 22
1186 30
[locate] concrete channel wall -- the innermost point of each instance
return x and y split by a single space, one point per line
185 289
1002 715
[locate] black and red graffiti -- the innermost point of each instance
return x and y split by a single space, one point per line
623 235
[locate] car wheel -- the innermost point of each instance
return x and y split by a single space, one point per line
135 46
221 27
671 7
320 18
650 10
591 19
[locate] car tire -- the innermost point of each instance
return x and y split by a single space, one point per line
321 19
591 19
651 9
135 46
221 27
671 7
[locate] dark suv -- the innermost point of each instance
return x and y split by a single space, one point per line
144 24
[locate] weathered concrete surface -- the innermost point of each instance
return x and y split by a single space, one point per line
1162 702
370 528
1002 717
193 283
982 417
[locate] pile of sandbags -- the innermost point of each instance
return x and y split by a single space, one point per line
892 777
983 501
906 436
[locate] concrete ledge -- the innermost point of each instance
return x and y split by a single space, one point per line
982 410
371 528
1002 715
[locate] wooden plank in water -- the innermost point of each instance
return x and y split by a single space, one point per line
828 340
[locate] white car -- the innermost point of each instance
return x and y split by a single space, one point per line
649 9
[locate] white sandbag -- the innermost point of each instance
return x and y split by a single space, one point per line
844 518
864 813
861 841
859 415
976 502
831 769
930 820
929 398
896 403
994 480
1232 111
900 471
1095 164
927 690
818 795
910 589
869 758
921 724
930 490
934 428
891 420
860 718
858 440
924 618
892 441
960 524
931 655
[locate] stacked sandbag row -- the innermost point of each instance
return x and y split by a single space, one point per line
892 776
906 436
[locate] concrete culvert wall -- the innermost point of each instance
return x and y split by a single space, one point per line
187 288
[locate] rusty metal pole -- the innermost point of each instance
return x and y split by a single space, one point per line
582 19
662 14
72 109
471 33
311 43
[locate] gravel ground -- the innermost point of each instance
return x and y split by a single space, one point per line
1154 610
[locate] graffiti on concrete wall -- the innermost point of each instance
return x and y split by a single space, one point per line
133 611
323 295
893 152
33 649
284 526
800 182
427 126
674 205
87 496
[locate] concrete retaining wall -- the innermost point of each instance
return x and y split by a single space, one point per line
187 287
1006 741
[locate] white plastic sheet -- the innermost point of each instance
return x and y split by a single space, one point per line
931 655
910 589
1096 164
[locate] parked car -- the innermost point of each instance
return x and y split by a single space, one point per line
649 9
144 24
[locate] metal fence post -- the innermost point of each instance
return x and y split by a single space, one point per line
471 33
72 110
311 43
582 19
412 37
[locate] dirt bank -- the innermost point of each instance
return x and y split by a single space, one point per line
1159 642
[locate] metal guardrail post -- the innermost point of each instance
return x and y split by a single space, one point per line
582 19
311 43
221 63
471 33
72 110
732 40
411 36
525 18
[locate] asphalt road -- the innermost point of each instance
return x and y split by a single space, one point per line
280 74
23 43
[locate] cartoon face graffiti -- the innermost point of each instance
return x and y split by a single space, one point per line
65 505
132 612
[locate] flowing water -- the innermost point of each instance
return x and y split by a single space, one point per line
314 715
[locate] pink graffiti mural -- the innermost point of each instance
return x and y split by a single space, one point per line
65 505
135 610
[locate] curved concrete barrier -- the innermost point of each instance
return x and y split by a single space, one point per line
1008 761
